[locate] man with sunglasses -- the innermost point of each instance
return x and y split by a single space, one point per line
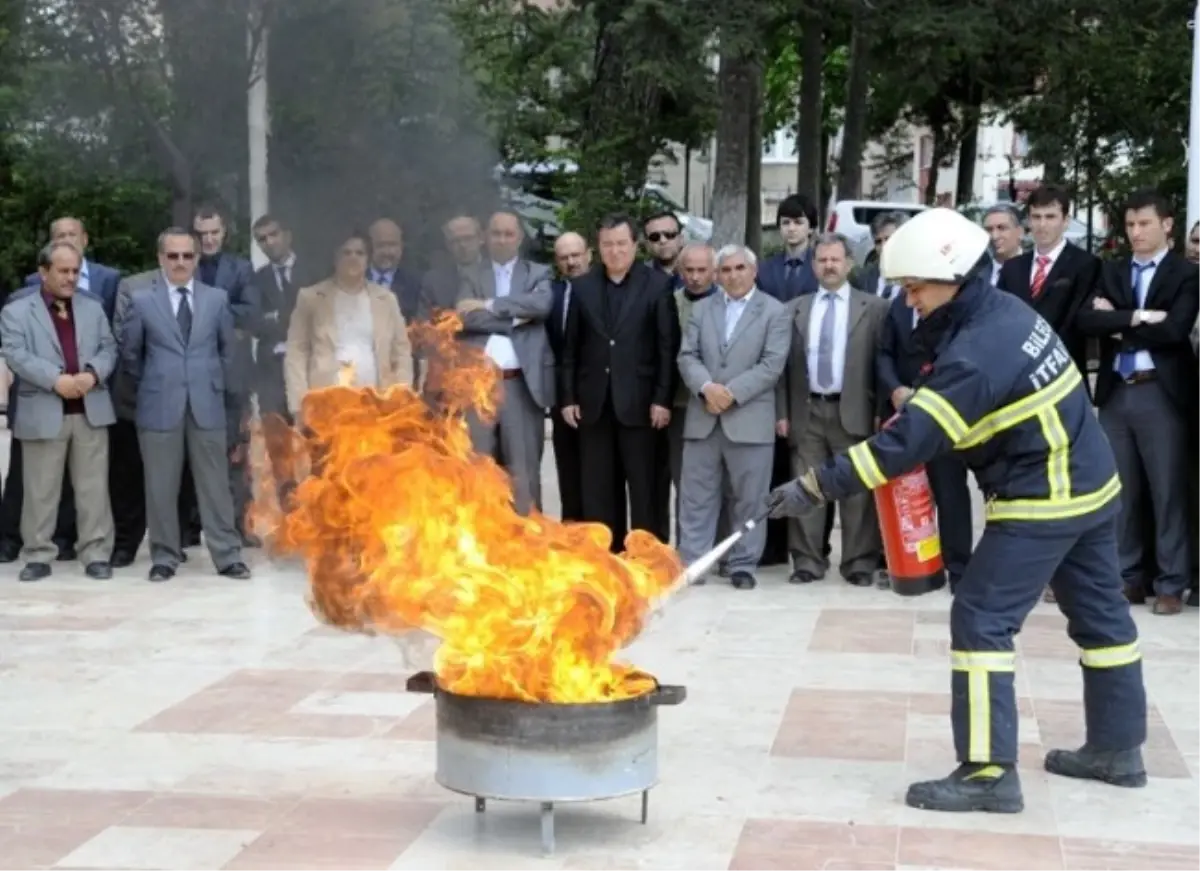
664 240
178 347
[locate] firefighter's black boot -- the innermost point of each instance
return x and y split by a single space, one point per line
990 788
1118 767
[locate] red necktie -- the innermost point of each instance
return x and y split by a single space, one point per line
1039 277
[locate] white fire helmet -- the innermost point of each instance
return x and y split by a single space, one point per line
935 245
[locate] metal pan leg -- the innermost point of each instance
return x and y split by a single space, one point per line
480 805
548 827
645 806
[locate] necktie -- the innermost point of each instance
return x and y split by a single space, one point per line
184 315
791 276
1127 360
825 344
60 309
281 277
1039 277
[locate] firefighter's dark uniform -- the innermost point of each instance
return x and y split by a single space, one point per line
1005 394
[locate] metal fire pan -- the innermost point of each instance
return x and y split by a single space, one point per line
522 751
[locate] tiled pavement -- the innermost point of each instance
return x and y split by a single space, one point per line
210 724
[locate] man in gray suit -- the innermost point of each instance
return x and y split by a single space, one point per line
177 346
504 304
734 351
60 346
830 397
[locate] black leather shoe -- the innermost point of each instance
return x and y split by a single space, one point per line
237 571
66 553
743 581
161 573
34 572
860 579
801 576
1118 767
990 788
122 559
10 551
98 571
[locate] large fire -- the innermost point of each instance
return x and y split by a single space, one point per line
402 526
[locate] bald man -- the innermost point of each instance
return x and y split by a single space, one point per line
387 251
504 303
572 258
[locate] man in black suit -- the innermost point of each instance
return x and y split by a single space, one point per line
387 269
278 282
906 345
617 378
1142 311
1055 276
572 259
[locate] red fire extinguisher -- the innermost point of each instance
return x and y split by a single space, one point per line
908 525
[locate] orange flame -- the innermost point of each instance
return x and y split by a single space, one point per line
402 526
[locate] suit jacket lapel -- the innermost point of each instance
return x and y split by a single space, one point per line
858 308
801 320
163 295
634 288
1060 265
752 311
485 285
41 315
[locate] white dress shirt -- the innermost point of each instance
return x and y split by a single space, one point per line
84 282
822 299
1143 361
177 297
500 348
734 308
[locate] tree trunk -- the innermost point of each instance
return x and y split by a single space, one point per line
754 181
854 124
809 138
736 85
968 153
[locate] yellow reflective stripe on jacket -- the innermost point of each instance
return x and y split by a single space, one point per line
1058 458
979 666
1020 411
942 412
865 465
1053 509
1110 657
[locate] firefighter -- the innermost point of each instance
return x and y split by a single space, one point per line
1003 392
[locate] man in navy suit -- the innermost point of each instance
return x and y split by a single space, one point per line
787 276
95 278
790 273
235 275
905 346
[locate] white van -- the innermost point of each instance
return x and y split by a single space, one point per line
852 219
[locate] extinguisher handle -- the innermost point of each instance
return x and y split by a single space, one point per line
889 421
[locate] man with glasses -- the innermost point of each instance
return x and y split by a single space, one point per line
178 347
664 241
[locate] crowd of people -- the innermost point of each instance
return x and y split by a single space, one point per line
681 386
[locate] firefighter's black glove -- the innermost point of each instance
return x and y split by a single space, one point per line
796 497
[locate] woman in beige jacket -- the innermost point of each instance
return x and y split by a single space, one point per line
343 321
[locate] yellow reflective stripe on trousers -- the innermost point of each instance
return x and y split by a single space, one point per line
1058 457
979 665
1020 411
865 465
942 412
1053 509
1110 657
